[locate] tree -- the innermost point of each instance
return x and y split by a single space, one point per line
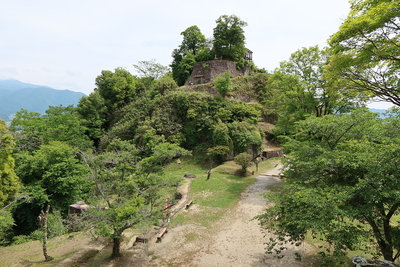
244 160
6 225
194 48
229 39
182 66
58 124
367 51
117 88
193 40
342 185
223 83
299 89
129 187
93 115
43 217
52 175
165 84
9 182
150 69
244 134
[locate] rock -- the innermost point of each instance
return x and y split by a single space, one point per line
359 261
189 175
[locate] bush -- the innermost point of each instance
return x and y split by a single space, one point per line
244 160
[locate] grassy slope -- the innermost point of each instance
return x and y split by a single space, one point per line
216 197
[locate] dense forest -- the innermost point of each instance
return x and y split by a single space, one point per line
341 167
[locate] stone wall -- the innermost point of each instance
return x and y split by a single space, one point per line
206 71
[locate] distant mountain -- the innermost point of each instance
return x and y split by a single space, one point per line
16 95
378 110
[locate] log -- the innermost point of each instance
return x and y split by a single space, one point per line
162 232
189 204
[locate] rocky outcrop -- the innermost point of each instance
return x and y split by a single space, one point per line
359 261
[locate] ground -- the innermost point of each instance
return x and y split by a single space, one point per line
236 240
232 240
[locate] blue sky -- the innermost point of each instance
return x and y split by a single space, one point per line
66 44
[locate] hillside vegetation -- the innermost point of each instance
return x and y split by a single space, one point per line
113 150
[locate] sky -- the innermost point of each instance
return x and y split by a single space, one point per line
66 44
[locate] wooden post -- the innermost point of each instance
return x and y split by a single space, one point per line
43 223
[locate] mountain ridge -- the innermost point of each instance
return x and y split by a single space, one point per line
16 95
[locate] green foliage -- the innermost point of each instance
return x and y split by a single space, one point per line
244 134
342 184
182 66
220 135
129 186
162 154
58 124
366 50
229 39
244 160
192 49
51 175
218 153
151 69
298 89
9 182
193 40
223 83
93 115
56 224
6 225
117 88
165 84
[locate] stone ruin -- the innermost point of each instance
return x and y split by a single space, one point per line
207 71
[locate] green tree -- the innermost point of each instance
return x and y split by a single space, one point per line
218 154
229 39
299 89
182 66
9 182
129 187
223 83
367 51
341 185
6 225
165 84
93 115
244 134
244 160
31 127
51 175
194 48
117 88
193 40
150 69
57 124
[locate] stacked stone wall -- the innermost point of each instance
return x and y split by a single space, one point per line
206 71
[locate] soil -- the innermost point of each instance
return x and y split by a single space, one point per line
236 240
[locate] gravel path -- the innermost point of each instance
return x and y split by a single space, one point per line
238 240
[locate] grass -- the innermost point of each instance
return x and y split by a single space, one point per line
214 198
31 253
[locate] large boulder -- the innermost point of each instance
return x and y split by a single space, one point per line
359 261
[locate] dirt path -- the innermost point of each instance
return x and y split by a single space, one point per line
238 240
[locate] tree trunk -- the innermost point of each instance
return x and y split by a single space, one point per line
116 251
43 221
